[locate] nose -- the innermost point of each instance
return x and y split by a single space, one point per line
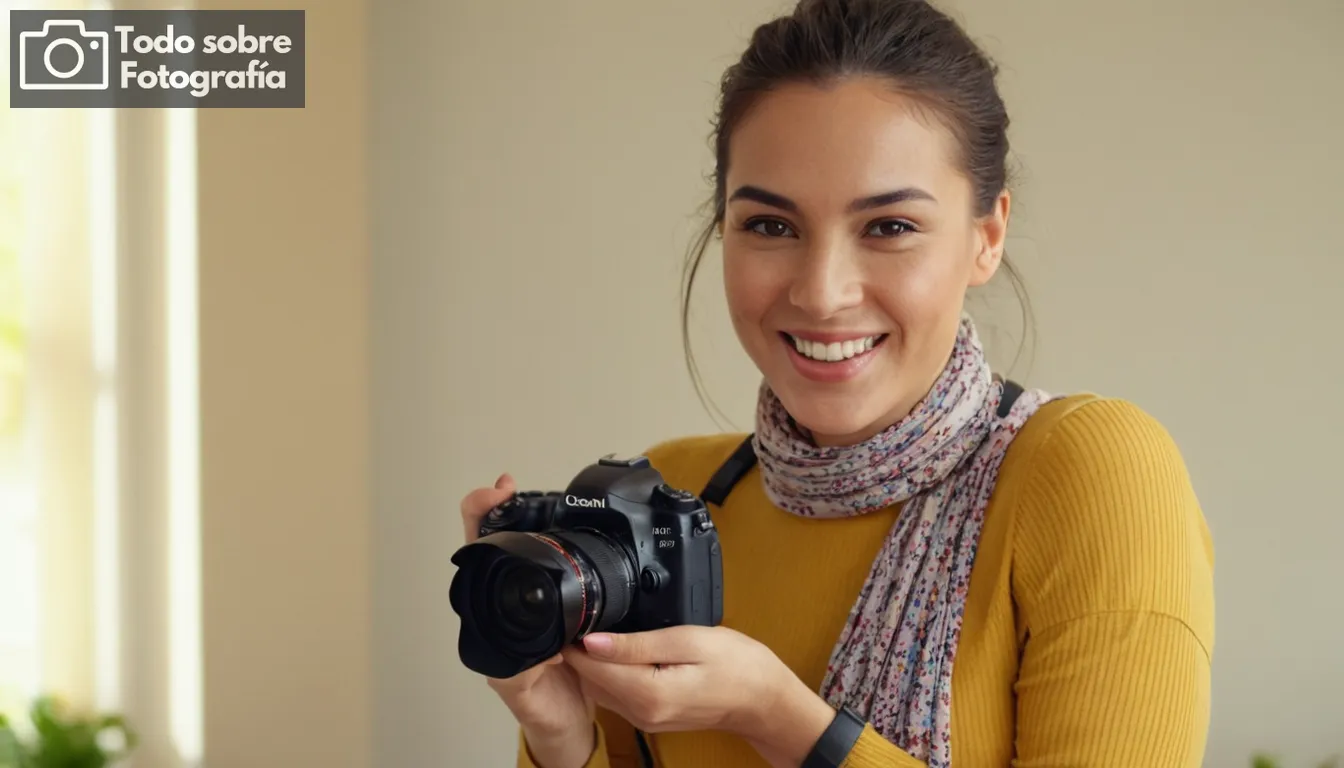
828 281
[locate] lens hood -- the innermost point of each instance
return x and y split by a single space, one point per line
520 598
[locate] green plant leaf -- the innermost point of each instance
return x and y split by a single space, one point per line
12 752
69 740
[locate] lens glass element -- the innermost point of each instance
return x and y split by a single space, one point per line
526 601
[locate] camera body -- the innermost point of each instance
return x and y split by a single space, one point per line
621 550
668 531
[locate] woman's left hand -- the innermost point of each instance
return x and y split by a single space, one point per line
699 678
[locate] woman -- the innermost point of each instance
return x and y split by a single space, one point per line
926 566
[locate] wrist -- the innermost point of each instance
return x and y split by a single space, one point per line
565 749
785 727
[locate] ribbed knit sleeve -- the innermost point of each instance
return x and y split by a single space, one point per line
616 746
873 751
597 760
1113 576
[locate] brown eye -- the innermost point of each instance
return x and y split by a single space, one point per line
770 228
890 228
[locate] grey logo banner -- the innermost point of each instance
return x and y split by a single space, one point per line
123 58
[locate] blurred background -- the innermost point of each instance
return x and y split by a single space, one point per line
250 360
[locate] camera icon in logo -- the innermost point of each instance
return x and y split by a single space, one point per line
64 56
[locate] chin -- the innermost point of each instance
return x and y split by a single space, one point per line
835 417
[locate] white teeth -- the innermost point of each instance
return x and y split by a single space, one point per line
836 350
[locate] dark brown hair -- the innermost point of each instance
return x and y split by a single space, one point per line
922 52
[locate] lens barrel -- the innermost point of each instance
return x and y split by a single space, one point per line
522 597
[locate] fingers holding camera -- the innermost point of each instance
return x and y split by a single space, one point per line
686 644
554 713
525 680
682 678
477 504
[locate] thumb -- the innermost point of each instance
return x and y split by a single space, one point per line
505 483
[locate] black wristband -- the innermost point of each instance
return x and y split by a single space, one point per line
836 741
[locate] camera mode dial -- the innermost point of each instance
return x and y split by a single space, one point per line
504 512
500 516
671 499
523 509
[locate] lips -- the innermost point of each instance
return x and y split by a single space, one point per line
851 352
833 348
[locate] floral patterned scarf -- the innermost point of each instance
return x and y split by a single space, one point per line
893 661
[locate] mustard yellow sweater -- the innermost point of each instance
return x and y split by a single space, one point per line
1089 622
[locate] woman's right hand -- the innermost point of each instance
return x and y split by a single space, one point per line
546 700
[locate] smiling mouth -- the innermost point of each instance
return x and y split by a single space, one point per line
835 351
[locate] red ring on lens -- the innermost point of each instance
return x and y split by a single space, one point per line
578 574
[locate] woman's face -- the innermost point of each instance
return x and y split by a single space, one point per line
849 241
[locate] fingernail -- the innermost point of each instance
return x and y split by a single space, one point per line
500 482
598 644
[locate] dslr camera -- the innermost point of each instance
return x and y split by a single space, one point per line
619 550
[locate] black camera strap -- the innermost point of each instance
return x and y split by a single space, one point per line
1011 391
645 755
726 476
737 466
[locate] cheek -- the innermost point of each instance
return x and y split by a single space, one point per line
751 288
915 294
919 295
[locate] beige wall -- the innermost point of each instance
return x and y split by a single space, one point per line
1179 180
517 147
285 529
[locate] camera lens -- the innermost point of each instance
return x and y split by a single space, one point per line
523 597
608 575
526 601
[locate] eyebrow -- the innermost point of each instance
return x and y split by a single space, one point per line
765 197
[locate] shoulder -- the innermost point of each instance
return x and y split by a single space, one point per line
1090 433
1101 447
689 461
1107 517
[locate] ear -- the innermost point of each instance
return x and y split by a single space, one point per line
992 231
